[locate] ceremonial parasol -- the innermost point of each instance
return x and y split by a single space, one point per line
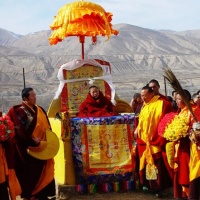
81 18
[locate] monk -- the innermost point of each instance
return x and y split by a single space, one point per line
8 177
154 84
35 176
182 152
152 170
96 105
194 164
182 155
136 103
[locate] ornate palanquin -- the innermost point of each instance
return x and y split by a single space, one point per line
74 93
95 153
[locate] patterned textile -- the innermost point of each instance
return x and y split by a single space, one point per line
102 149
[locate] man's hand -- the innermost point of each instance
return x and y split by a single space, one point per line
135 134
37 141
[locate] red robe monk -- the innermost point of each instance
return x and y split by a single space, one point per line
7 173
36 177
96 105
175 128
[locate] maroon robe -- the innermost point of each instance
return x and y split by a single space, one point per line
28 169
101 107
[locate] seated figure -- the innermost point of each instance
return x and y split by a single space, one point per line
96 105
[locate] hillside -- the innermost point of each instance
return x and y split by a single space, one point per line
136 55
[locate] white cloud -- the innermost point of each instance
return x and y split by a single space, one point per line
25 16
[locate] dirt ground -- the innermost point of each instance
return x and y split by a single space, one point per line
121 196
130 195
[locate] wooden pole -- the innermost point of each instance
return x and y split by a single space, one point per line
24 78
82 51
82 41
165 86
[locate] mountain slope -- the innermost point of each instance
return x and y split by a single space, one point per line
136 55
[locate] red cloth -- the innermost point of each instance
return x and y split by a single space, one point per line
23 133
181 173
163 181
163 97
183 159
101 107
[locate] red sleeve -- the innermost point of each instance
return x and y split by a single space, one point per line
83 110
167 107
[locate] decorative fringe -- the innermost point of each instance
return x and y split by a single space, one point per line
116 186
81 189
81 19
92 189
127 185
107 187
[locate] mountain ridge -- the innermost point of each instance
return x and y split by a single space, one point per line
136 55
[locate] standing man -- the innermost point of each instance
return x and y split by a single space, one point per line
154 84
152 170
136 103
35 176
174 104
9 185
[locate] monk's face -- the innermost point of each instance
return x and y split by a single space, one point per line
146 95
31 100
154 87
94 92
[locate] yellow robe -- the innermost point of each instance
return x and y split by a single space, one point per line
149 117
194 163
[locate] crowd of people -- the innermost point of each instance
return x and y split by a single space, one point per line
165 131
168 152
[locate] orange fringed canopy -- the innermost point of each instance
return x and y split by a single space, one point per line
81 19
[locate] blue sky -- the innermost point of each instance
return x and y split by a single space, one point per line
27 16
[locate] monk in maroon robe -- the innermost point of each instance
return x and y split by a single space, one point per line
36 177
96 105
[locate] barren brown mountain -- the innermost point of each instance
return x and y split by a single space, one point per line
136 55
